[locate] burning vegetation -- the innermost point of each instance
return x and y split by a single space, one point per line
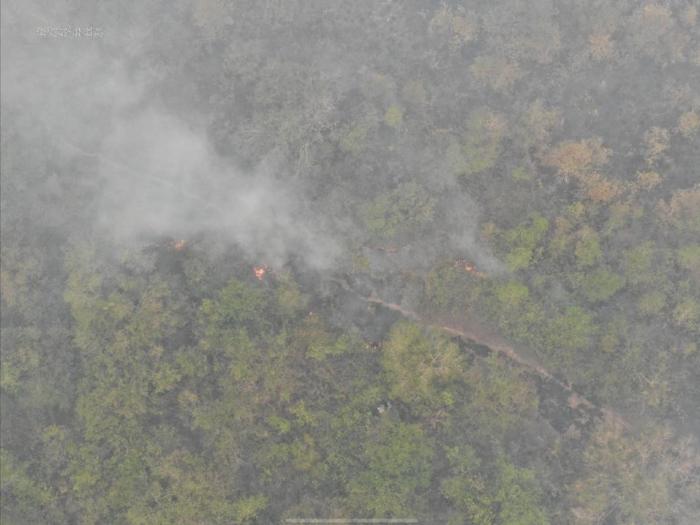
260 272
469 267
179 245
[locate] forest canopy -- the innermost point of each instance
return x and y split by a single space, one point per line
275 261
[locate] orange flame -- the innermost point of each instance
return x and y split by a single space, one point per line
469 267
180 245
260 272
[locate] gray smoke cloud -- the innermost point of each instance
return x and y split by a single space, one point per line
162 177
149 160
154 170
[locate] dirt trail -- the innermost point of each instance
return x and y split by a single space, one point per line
502 348
491 341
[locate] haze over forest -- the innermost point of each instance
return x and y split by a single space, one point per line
279 261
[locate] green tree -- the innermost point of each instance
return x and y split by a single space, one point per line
393 116
482 143
587 249
570 330
689 259
397 470
500 495
600 285
403 211
522 244
419 365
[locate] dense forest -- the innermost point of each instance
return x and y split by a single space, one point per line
272 261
